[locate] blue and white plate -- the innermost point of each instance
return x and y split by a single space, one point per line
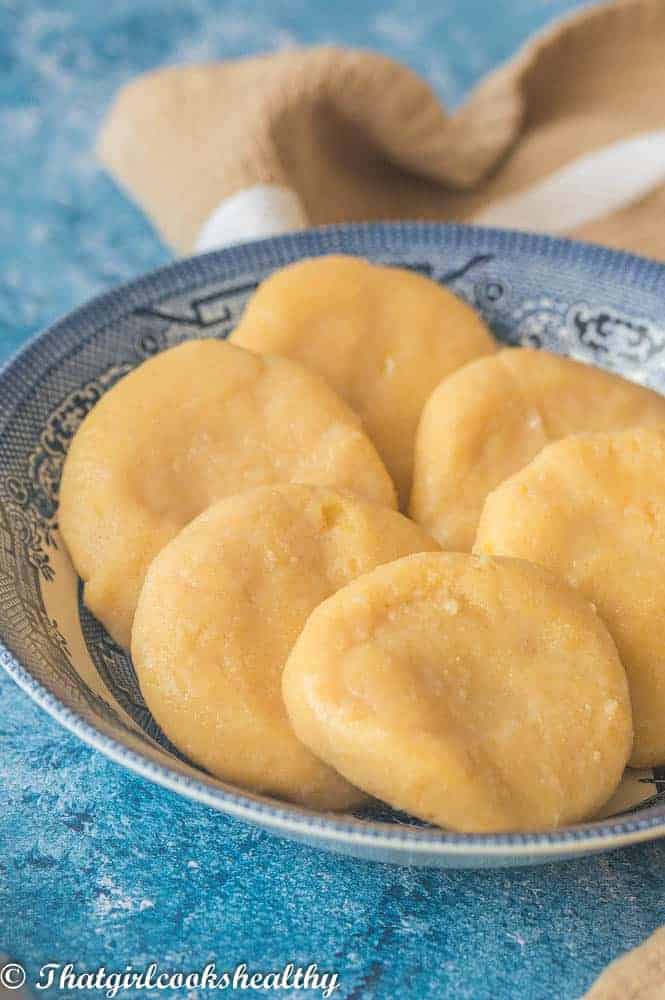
597 305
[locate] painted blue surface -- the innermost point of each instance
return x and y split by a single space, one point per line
99 867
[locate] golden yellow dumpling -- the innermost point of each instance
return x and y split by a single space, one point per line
489 419
382 337
592 509
220 610
479 694
194 424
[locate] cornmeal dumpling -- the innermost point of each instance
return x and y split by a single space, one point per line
592 509
489 419
382 337
220 610
192 425
478 694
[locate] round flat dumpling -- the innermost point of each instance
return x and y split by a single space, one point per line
479 694
383 337
194 424
220 610
489 420
592 509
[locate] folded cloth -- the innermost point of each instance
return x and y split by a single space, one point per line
637 975
567 137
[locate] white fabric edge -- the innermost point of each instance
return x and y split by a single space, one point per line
588 188
251 214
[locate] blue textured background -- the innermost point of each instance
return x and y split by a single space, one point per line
99 867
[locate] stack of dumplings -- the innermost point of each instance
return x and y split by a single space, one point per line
489 659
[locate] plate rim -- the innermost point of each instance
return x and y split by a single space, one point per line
293 820
327 829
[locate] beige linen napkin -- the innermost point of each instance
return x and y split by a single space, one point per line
637 975
569 136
